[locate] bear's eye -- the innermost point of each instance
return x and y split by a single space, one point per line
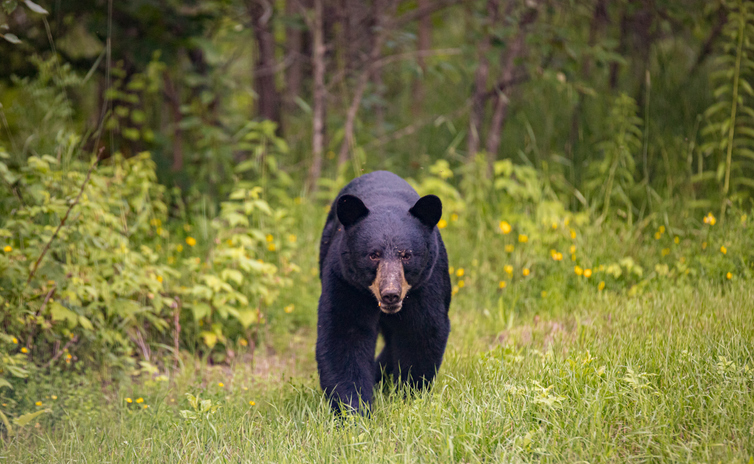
406 255
374 256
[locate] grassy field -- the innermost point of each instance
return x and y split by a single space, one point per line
666 376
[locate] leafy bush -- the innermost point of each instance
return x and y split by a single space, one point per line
93 271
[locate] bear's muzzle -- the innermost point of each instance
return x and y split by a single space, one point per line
390 286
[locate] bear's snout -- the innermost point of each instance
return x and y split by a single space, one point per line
390 286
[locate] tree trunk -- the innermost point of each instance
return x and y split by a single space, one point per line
509 58
293 46
480 86
268 98
379 108
318 118
424 42
361 85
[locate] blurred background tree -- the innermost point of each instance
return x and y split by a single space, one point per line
390 84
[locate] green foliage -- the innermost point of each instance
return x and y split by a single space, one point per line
730 120
613 177
111 281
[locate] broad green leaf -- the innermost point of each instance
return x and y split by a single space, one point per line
232 274
22 421
248 317
210 338
61 313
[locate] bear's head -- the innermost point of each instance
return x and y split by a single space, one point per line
390 248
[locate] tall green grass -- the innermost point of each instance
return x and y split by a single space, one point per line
668 376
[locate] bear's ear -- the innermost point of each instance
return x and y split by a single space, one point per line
428 210
350 210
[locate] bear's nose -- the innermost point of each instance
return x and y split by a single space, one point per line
391 298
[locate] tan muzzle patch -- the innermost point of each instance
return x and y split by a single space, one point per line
390 286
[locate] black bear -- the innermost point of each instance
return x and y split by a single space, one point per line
384 268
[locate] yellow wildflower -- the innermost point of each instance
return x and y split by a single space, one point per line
710 219
461 284
171 260
578 270
573 234
159 231
145 406
460 272
526 272
139 400
289 309
442 224
677 240
723 250
251 403
665 251
451 270
455 290
657 236
505 227
503 284
270 237
587 273
271 246
187 227
729 276
179 248
292 238
54 397
508 269
601 286
220 384
454 217
559 256
544 294
572 249
38 403
15 341
190 241
523 238
8 248
159 278
704 245
24 350
243 342
662 229
129 400
554 225
509 248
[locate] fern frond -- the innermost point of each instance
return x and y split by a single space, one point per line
729 120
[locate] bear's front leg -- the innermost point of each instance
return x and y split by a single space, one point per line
347 330
345 360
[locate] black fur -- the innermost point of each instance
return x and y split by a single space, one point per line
382 214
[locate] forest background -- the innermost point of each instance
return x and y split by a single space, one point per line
166 166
